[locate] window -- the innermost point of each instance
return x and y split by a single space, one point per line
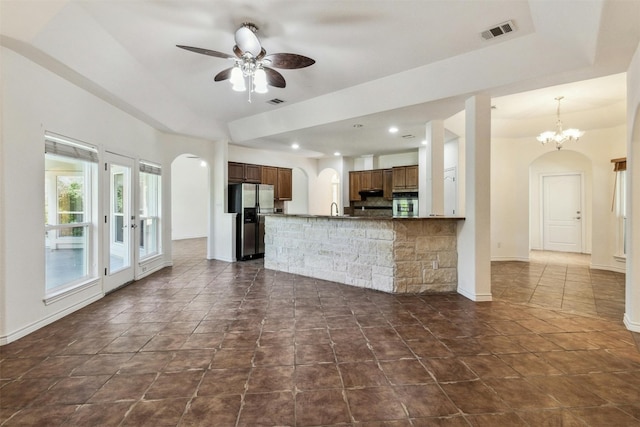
149 210
620 203
70 170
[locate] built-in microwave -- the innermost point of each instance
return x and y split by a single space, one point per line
405 204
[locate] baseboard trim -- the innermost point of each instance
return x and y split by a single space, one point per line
475 297
26 330
613 268
510 258
632 326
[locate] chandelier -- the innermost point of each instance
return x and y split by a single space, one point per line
559 136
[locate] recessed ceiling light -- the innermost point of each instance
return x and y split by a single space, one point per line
393 129
424 142
295 146
337 153
203 163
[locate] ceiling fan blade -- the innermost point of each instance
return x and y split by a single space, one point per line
261 55
223 75
288 60
206 51
237 51
274 78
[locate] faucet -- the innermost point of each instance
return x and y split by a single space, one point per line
337 211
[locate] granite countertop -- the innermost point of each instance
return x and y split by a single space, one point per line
372 218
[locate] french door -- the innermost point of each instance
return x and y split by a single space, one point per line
120 221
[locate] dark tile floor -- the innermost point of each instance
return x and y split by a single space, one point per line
216 344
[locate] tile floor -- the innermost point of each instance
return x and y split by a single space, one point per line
216 344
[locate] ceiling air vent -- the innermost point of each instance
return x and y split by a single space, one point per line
408 136
275 101
498 30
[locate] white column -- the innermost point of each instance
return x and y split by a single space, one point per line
632 297
431 170
474 259
220 242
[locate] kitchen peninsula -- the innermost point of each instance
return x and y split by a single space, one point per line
394 255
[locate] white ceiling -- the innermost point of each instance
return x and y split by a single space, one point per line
378 63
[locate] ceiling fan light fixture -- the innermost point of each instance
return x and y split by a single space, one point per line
260 81
237 80
247 40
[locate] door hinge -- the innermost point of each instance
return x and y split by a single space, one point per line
105 219
105 167
105 271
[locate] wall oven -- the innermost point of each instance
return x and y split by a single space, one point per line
405 204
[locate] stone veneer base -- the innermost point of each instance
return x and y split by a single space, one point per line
390 255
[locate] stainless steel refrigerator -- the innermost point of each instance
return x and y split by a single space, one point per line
251 202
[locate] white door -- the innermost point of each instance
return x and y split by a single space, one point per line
120 221
562 212
450 191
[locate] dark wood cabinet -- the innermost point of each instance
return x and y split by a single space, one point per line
236 172
371 179
285 184
411 176
365 180
354 186
387 184
243 172
376 180
253 173
405 177
270 176
399 178
280 178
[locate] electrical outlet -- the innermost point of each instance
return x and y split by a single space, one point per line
499 245
434 265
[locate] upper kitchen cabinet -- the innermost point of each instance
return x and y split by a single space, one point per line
243 172
387 184
354 186
405 177
371 179
280 178
285 184
270 176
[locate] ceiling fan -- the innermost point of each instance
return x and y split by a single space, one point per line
252 61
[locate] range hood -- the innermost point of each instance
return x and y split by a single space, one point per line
370 193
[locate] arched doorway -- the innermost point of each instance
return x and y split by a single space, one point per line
190 199
328 192
560 202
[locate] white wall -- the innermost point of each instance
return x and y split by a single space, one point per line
35 100
401 159
299 203
510 210
189 198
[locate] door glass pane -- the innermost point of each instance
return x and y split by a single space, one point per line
149 214
120 200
